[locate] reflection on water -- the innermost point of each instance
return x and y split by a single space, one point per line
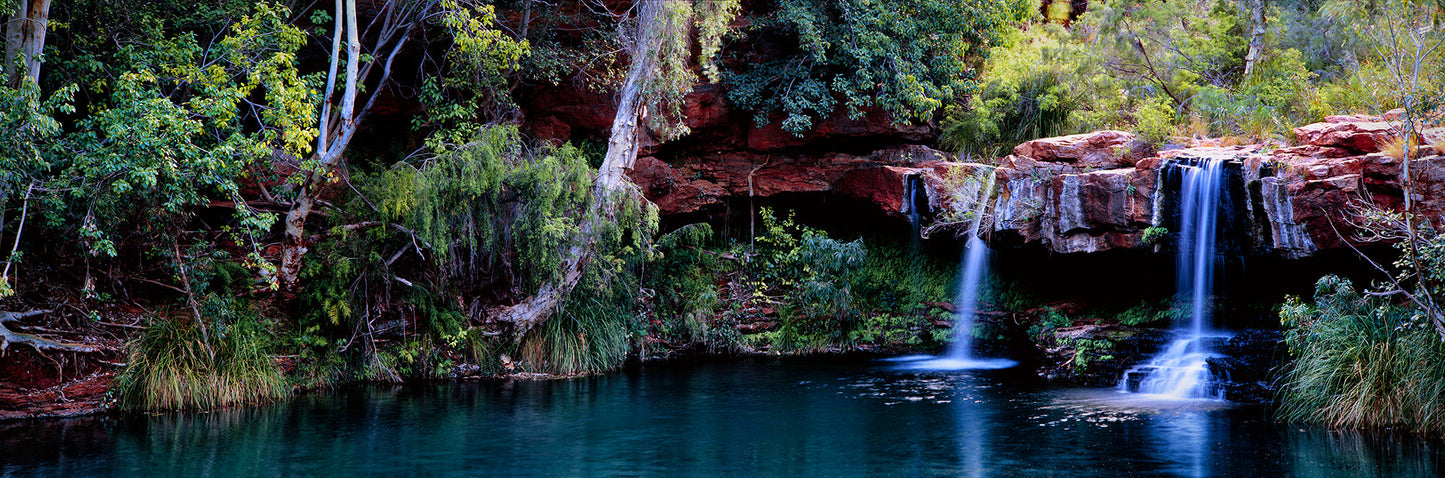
748 418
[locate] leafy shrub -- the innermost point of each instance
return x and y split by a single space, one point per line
809 276
682 277
1150 312
1155 120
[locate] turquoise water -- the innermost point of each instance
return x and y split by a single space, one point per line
837 417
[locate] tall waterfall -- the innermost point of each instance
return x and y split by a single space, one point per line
1182 369
972 272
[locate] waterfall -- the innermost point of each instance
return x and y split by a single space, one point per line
912 195
1182 369
972 272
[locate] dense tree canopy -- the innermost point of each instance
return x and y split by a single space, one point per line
909 58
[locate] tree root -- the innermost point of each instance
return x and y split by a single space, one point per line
40 344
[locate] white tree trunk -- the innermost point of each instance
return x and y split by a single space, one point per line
14 36
611 179
328 156
39 20
1256 36
25 41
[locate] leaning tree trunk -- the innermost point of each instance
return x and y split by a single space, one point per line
40 344
611 182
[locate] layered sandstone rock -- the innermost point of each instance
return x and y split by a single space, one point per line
1083 193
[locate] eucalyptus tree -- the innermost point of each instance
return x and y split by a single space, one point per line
25 40
340 117
658 41
1409 40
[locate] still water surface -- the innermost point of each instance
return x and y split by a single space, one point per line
740 418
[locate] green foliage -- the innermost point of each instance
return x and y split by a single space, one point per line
1147 43
172 124
480 53
1264 105
1087 352
586 336
1361 361
1150 312
890 329
1155 120
479 201
1049 320
1154 234
809 276
908 58
1035 84
171 365
473 89
894 279
661 45
681 278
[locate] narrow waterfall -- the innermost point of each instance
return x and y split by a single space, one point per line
1182 369
914 200
972 272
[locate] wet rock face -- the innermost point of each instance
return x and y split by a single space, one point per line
1096 355
1288 202
1247 364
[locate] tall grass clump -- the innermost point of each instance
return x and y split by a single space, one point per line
1361 361
174 365
586 336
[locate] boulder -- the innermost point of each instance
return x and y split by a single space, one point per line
1095 354
1355 137
1099 149
1246 364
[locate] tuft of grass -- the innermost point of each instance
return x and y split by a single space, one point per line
586 336
172 366
1361 362
1397 147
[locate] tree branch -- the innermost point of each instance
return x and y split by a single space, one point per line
40 344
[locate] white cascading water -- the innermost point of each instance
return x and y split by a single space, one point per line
1182 370
972 272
